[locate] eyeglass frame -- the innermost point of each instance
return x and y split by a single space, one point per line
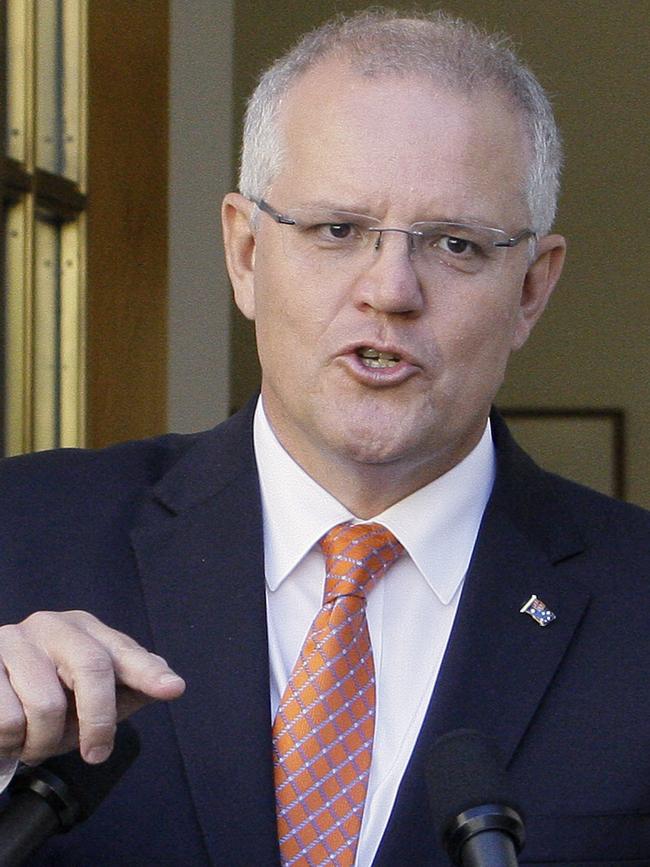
510 240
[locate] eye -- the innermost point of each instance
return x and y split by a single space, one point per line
457 246
336 233
339 230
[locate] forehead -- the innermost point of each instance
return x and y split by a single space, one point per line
400 142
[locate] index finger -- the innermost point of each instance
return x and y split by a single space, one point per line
136 667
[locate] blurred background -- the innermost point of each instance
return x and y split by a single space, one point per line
121 122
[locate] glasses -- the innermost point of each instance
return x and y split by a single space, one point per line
329 238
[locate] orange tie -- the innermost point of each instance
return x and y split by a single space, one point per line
323 731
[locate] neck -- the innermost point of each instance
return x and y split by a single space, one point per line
368 490
368 486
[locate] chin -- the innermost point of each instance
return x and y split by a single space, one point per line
377 454
365 446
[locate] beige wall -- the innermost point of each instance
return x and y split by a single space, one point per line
591 349
200 171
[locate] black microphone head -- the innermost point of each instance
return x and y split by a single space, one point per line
74 788
465 770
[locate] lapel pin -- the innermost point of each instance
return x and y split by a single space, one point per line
538 611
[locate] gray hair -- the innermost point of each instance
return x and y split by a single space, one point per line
378 42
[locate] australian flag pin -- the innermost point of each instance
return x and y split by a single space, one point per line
538 611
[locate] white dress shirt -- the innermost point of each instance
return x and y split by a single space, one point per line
410 611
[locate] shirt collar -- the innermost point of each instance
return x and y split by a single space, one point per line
437 524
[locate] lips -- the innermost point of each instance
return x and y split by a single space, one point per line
378 365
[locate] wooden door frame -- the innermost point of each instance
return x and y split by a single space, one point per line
128 133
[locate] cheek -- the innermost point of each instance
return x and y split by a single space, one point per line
475 353
503 316
287 331
484 328
290 305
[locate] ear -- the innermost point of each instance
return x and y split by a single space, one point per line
538 285
239 245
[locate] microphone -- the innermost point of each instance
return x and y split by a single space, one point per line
52 797
478 824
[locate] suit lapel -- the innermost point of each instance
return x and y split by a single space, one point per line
200 552
499 662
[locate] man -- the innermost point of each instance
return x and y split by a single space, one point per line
392 242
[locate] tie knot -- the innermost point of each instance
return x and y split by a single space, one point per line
356 556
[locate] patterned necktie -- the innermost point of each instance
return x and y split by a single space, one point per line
323 731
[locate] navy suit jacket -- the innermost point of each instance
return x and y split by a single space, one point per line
162 539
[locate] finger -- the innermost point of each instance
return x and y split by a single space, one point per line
140 677
146 672
32 678
89 657
135 666
90 676
84 666
12 720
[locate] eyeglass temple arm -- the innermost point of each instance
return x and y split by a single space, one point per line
279 218
517 239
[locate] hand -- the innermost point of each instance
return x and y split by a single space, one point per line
67 680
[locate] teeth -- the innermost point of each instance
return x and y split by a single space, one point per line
373 358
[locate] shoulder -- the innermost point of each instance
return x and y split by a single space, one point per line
67 517
78 499
563 515
606 524
117 469
84 484
124 466
594 506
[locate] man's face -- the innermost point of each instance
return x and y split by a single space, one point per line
401 150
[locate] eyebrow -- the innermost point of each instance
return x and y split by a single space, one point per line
335 208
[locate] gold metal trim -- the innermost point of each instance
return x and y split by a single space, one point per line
45 341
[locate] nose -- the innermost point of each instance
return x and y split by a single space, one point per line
388 281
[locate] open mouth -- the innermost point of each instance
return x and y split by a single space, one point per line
374 358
